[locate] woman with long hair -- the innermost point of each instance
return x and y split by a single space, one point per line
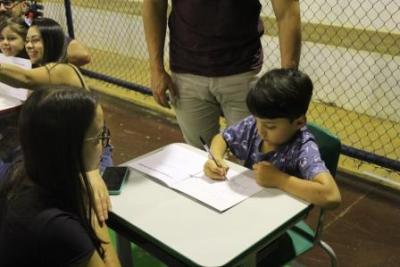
45 47
46 206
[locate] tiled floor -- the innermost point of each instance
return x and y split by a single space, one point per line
363 231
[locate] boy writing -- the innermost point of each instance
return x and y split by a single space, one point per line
275 142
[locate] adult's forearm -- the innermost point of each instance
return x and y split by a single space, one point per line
155 23
110 256
289 25
15 76
290 45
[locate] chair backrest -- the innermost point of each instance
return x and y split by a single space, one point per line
329 146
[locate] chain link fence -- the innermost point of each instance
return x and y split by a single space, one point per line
351 50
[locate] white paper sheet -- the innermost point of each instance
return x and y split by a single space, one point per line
7 90
182 169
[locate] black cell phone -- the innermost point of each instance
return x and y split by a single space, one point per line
115 177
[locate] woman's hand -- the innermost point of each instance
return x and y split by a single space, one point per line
100 194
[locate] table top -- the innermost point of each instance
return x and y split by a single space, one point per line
9 104
197 234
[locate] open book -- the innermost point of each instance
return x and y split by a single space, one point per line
181 168
10 91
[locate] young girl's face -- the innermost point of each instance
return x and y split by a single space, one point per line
11 43
34 45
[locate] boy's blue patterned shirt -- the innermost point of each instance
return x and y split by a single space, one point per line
299 157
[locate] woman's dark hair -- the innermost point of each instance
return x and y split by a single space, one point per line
280 93
52 127
18 26
53 39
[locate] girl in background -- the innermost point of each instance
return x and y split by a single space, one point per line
12 37
12 44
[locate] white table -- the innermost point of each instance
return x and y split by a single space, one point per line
182 231
9 104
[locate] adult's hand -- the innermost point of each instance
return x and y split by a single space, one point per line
100 193
163 88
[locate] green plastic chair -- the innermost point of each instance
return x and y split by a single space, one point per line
303 237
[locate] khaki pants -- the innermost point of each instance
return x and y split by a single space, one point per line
202 100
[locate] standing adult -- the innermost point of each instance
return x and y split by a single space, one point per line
77 53
215 54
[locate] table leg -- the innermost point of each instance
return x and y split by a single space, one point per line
124 251
249 261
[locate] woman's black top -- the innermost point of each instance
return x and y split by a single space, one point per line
35 233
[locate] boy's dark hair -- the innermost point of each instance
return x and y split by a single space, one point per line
280 93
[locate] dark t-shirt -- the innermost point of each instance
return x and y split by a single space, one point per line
34 233
215 37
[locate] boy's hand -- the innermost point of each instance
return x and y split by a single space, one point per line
213 171
268 175
100 194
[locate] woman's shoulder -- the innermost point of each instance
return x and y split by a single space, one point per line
35 208
53 220
58 66
57 236
65 73
62 236
28 201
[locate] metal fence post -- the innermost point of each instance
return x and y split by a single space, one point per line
70 22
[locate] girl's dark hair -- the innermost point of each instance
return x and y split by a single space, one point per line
280 93
18 26
52 127
53 39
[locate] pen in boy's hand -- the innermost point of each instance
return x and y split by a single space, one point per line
211 155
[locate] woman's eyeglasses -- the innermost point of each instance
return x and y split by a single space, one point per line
104 136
